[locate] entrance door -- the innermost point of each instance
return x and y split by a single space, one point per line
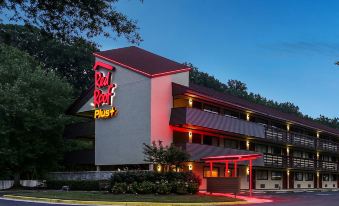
291 180
285 180
254 177
315 180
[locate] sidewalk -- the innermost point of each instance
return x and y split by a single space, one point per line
292 191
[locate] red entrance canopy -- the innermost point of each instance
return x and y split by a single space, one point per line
224 158
234 159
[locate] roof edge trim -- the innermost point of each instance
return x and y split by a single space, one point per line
138 70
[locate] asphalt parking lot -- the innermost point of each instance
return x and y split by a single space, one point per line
301 199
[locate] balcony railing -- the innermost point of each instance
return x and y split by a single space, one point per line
279 135
302 163
281 161
276 135
327 166
302 140
275 160
327 145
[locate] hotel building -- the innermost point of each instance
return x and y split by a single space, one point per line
154 101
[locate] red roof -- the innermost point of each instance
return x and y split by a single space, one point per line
142 61
241 103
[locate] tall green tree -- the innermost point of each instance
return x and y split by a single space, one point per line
71 60
66 19
31 122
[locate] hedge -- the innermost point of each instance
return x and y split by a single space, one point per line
147 182
85 185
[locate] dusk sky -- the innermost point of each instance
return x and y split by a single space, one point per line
283 50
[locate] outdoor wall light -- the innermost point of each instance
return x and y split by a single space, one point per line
190 167
247 144
318 134
288 172
247 170
248 116
288 151
190 134
159 168
288 127
190 102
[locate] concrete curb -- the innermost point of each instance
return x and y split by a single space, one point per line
83 202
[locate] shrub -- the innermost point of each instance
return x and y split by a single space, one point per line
86 185
192 188
146 187
181 188
163 188
119 188
146 182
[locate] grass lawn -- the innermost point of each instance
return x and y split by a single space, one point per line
105 196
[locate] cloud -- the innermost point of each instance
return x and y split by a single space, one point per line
305 47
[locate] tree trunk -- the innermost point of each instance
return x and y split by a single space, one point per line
16 180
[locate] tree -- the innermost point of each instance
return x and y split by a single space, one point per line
69 19
204 79
71 60
166 156
238 88
31 122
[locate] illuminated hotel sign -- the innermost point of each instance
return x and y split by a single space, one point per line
104 91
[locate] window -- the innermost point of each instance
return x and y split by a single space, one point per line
298 176
207 140
210 108
210 140
180 138
276 150
230 144
197 105
215 172
196 138
310 156
297 154
262 175
326 177
334 177
309 176
325 158
261 148
276 175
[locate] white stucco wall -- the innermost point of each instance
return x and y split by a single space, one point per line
269 183
87 106
144 107
303 184
119 140
161 105
330 184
